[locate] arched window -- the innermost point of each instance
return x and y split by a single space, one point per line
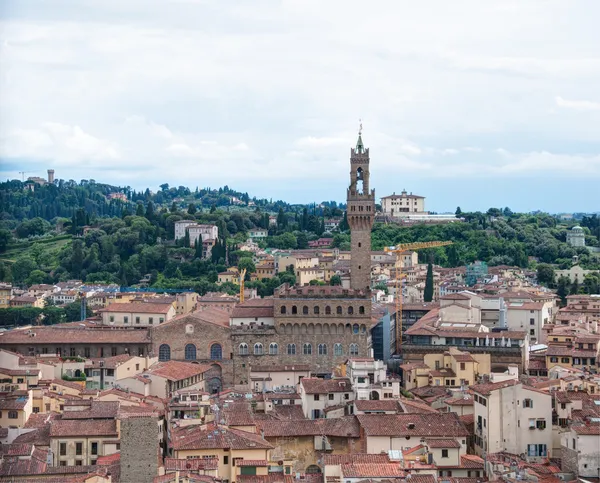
527 403
339 310
164 352
258 349
361 310
316 310
327 310
291 349
273 349
307 349
283 309
355 328
305 310
353 350
294 309
243 349
190 352
322 349
216 352
350 310
338 350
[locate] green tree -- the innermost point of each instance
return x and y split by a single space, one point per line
53 315
562 289
458 211
174 207
574 287
545 273
428 291
5 239
192 209
73 311
77 259
335 280
36 277
248 264
21 269
139 211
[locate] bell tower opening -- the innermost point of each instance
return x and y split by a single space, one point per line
359 181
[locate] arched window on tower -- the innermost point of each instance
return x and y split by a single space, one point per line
291 349
273 349
338 350
243 350
307 349
353 350
316 310
305 310
327 310
294 309
283 309
322 349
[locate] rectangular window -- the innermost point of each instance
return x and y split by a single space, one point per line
160 321
137 320
111 318
113 351
330 396
62 449
13 415
78 463
316 397
63 463
36 410
462 366
94 448
444 453
78 449
150 320
531 321
126 320
540 424
72 352
86 352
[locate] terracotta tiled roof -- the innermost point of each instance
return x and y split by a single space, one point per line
315 385
19 449
108 459
372 470
14 403
560 350
73 427
471 461
487 388
443 443
221 437
587 430
176 370
377 405
108 362
437 425
459 401
96 410
416 407
51 335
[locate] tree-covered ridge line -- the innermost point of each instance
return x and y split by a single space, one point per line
137 238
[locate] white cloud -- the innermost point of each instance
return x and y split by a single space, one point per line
144 92
577 105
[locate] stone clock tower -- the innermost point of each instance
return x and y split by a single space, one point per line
361 215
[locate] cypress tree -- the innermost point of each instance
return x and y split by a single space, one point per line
428 292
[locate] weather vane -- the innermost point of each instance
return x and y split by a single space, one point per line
360 127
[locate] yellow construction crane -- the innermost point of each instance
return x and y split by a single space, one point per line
399 250
242 280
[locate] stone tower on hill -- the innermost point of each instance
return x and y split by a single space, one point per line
361 215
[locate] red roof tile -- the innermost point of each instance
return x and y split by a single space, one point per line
442 425
315 385
176 370
372 470
139 307
196 438
353 458
74 427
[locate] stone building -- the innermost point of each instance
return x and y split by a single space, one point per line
576 237
361 215
316 325
202 337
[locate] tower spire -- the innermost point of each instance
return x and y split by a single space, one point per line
360 148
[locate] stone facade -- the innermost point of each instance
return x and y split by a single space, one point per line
202 337
361 215
318 326
139 449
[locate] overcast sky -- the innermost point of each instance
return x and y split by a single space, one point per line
468 103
